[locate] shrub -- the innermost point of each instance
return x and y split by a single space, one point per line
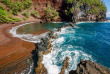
27 3
17 6
13 11
35 13
24 18
50 13
8 3
26 14
1 8
90 6
36 6
5 18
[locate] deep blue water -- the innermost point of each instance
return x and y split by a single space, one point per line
108 18
96 42
88 41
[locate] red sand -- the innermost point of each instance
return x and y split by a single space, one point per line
12 48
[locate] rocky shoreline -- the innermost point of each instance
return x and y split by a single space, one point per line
84 67
14 52
43 48
89 67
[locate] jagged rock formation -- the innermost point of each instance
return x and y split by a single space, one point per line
89 67
65 65
44 47
84 67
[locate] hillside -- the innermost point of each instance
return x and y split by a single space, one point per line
14 11
52 10
85 10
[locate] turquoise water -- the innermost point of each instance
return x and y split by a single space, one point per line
38 28
87 41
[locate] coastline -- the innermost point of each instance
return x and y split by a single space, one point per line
23 49
27 37
13 49
45 48
41 67
25 53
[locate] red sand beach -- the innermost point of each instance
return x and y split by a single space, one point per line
12 48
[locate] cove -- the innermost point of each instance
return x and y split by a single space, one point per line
38 28
87 41
33 31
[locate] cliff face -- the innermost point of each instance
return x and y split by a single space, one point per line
52 10
85 10
82 15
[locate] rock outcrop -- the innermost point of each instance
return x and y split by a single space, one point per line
84 67
89 67
44 47
65 65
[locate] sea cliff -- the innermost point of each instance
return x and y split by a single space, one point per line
52 10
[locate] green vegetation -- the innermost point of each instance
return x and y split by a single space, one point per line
35 13
13 7
36 6
17 6
90 6
24 18
5 17
26 14
50 13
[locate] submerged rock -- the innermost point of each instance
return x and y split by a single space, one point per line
89 67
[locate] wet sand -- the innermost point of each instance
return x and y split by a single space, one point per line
12 49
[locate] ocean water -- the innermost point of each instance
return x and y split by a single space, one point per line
38 28
33 32
87 41
108 18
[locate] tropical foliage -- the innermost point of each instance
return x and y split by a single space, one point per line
35 13
50 13
5 17
90 6
26 14
17 6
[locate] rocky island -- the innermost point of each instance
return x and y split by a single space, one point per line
18 56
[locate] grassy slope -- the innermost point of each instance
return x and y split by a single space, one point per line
13 11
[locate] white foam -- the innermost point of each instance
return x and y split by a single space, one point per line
59 40
58 55
108 21
27 37
29 70
57 22
48 63
60 51
65 30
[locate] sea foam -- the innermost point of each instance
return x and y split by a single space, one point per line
53 61
27 37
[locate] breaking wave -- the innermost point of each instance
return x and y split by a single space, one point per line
62 48
27 37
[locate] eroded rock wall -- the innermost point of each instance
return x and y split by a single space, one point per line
89 67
